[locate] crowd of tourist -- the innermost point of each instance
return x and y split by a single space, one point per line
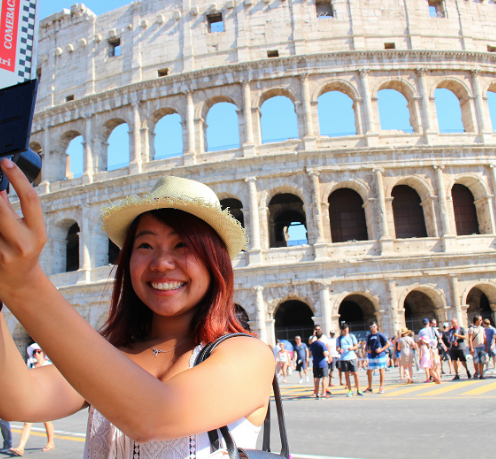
429 352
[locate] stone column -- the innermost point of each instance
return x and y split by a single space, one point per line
135 161
190 156
325 305
88 151
309 139
45 176
382 202
255 249
424 93
261 314
85 241
455 300
397 313
320 246
370 125
492 168
442 201
484 130
249 144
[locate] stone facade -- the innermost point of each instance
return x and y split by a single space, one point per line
441 274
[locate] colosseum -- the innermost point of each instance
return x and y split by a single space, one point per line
400 224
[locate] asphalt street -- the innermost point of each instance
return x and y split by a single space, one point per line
453 419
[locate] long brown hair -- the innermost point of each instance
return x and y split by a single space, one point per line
130 320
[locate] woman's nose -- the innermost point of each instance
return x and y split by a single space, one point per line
163 261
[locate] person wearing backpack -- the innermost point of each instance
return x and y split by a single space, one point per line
347 344
377 344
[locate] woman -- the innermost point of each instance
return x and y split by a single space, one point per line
37 359
406 346
425 357
282 360
173 292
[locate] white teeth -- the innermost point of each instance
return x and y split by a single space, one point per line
167 285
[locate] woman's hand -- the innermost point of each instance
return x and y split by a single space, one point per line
21 238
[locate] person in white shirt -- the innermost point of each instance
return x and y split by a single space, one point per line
314 336
333 352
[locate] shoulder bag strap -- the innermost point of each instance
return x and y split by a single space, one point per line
213 435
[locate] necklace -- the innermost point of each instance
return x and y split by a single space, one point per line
160 351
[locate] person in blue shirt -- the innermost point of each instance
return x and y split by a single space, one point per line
377 343
490 337
320 355
347 344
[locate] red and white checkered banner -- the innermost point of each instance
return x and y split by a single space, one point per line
18 41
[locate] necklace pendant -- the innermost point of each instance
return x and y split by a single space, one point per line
156 352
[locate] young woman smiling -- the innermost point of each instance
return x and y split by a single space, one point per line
173 293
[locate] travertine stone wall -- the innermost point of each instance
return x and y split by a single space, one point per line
344 53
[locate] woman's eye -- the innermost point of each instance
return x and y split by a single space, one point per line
144 245
180 245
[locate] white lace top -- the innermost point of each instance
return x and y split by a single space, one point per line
105 441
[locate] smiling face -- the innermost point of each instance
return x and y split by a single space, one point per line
165 273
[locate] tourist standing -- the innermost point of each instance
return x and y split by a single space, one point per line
406 346
320 356
478 346
301 356
7 436
347 344
445 357
490 338
332 348
377 344
457 337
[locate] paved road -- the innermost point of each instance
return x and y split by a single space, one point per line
454 419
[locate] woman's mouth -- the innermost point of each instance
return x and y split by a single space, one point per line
166 286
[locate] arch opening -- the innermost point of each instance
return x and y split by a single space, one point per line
479 304
491 101
75 153
464 210
336 114
393 111
72 248
347 216
278 120
235 208
449 113
418 306
287 221
168 140
36 147
408 213
222 127
118 147
357 311
292 318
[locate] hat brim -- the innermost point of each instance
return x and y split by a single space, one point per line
117 219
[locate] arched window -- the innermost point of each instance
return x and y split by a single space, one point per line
168 141
293 318
113 252
118 148
347 216
479 304
408 213
418 306
72 253
75 152
336 114
357 311
278 120
449 113
491 100
222 127
465 211
393 111
287 221
235 207
36 147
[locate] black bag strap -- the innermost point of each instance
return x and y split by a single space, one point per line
214 436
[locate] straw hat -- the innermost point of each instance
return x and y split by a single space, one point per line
405 331
176 193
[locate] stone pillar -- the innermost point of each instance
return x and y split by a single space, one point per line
385 238
249 144
190 155
255 249
309 138
397 313
85 242
325 308
455 299
484 130
369 112
442 201
320 246
492 168
270 330
88 151
45 176
261 314
426 114
135 161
